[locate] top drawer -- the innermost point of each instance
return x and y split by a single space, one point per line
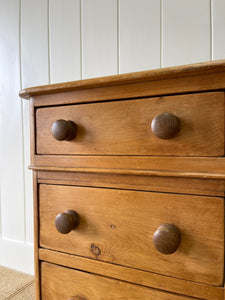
124 127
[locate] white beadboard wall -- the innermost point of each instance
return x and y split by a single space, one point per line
49 41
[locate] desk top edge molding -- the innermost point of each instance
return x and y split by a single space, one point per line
211 67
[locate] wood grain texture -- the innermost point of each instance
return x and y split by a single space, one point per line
64 283
32 131
190 84
148 279
165 126
186 167
183 78
114 237
182 174
126 238
36 237
99 125
210 187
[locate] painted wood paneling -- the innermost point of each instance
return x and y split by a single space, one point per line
64 40
99 38
139 35
34 71
34 42
218 29
17 255
185 32
12 178
1 130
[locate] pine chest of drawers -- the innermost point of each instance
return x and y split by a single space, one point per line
129 185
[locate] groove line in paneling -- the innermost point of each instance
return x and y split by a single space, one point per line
211 37
161 33
118 36
48 33
81 48
0 197
22 120
35 71
218 29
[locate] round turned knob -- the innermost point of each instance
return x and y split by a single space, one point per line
166 239
165 126
67 221
64 130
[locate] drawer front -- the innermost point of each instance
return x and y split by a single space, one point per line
124 127
63 283
117 226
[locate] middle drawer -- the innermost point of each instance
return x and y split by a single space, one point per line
118 226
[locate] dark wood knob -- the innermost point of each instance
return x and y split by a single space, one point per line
165 126
166 239
63 130
67 221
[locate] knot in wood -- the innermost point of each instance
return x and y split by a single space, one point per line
95 250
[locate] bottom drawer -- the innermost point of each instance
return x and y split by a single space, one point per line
118 226
69 284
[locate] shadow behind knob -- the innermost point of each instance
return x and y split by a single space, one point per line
63 130
67 221
165 126
166 239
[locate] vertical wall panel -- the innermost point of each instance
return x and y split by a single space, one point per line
35 71
12 200
34 42
64 37
99 37
139 35
218 29
185 32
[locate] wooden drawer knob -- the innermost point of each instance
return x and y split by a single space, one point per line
67 221
166 239
63 130
165 126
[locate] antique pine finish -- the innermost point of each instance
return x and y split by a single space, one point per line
125 237
129 124
64 283
129 185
